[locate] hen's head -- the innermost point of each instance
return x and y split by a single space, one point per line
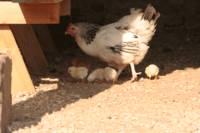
80 29
72 30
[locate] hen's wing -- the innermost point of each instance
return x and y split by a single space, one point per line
116 46
118 41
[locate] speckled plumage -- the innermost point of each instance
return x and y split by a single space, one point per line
121 43
90 32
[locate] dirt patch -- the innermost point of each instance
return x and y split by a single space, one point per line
170 104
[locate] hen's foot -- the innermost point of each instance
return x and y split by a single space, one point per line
135 76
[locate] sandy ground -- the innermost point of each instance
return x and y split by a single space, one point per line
170 104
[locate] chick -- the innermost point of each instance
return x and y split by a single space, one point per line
78 72
97 74
110 74
152 71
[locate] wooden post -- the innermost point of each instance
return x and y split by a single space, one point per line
30 48
5 92
21 81
42 32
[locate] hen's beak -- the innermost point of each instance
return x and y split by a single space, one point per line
66 33
69 33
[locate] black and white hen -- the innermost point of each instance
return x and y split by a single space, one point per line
121 43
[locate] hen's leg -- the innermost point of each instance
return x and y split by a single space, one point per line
134 73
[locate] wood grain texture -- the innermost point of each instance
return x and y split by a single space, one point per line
21 81
65 7
37 1
42 32
15 13
30 48
5 92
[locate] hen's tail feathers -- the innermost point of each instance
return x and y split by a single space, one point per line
151 14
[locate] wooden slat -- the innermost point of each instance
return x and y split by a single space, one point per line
65 7
21 81
37 1
15 13
42 33
30 48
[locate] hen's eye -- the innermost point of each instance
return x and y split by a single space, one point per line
126 28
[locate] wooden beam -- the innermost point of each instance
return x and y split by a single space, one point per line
37 13
65 7
30 48
21 81
37 1
42 32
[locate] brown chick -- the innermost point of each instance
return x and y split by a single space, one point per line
77 62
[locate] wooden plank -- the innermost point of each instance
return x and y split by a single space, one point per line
5 92
30 48
15 13
21 81
42 32
37 1
65 7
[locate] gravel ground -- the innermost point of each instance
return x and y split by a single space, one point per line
170 104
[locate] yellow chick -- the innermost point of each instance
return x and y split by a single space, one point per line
152 71
97 74
110 74
78 72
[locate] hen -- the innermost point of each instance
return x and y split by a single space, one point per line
121 43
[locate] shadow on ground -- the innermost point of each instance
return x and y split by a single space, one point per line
30 112
175 46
